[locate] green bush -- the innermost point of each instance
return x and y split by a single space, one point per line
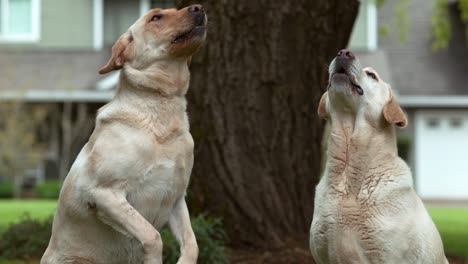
29 238
210 238
26 239
404 146
48 190
6 190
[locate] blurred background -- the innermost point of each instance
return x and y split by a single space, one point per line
252 106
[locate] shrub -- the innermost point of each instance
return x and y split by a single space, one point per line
404 146
6 190
210 238
26 239
29 239
48 190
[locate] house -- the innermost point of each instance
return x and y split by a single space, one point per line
50 54
432 88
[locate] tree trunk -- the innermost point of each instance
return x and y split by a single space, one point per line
252 104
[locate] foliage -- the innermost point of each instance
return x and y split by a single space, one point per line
404 145
17 261
19 148
401 20
6 190
210 238
463 5
452 224
441 27
48 190
26 239
383 32
379 3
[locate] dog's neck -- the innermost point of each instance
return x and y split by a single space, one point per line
153 99
357 150
164 78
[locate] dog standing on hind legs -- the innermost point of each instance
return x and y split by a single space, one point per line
130 179
366 210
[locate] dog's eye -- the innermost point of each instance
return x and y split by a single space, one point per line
156 17
372 75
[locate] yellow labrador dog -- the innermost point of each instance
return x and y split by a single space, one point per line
366 210
131 177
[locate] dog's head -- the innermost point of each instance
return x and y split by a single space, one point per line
359 91
161 34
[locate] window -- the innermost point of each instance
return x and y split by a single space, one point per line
19 20
433 122
164 4
456 123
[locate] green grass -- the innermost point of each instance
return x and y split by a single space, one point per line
452 224
12 210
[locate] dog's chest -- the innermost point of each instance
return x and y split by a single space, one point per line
350 225
163 180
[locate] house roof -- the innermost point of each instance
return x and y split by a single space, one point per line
52 75
416 69
378 61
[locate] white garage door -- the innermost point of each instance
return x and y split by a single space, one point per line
441 154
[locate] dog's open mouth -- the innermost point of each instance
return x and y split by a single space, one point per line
352 80
196 31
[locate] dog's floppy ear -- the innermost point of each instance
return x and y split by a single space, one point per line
322 110
119 54
393 113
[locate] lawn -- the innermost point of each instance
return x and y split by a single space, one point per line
12 210
453 227
451 222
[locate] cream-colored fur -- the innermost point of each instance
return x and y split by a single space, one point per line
130 179
366 210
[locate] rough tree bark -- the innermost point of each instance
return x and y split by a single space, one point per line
252 104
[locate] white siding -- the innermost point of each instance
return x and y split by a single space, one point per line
441 154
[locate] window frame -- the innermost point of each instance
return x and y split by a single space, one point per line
33 36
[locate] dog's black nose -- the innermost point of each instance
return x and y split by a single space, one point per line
196 9
345 54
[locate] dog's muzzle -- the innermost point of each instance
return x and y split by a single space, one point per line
348 65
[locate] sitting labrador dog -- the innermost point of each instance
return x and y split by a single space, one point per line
366 210
130 179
